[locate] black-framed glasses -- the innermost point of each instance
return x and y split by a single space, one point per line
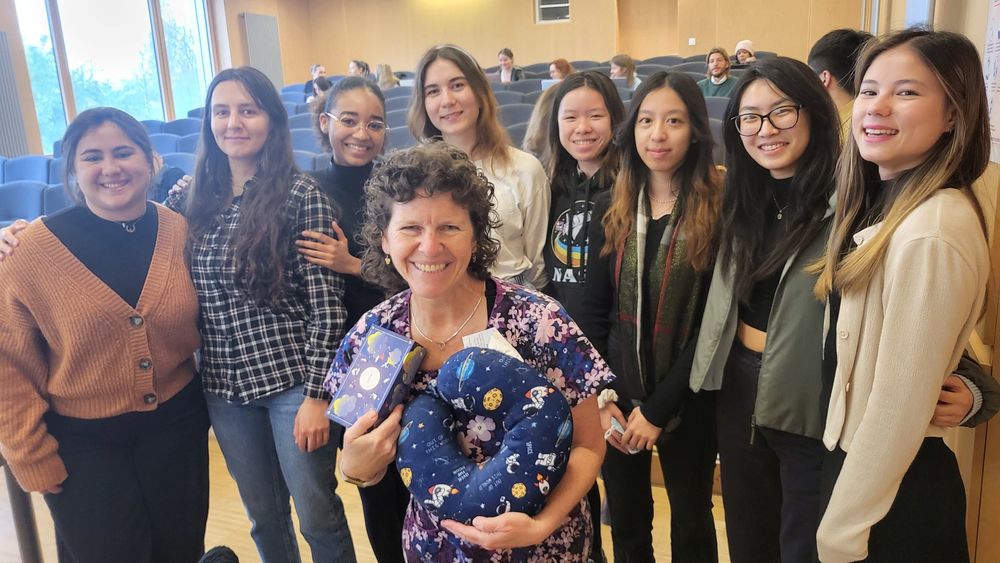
375 126
781 117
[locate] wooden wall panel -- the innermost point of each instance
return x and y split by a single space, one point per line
647 29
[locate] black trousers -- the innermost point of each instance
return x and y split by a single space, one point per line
926 523
687 459
770 479
384 505
137 489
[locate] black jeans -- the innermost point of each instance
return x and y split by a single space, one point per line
687 459
137 489
384 505
770 479
926 523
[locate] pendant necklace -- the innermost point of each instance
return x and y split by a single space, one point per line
781 210
442 343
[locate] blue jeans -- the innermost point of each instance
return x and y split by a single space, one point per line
261 455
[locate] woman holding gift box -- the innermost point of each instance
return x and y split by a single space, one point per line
429 212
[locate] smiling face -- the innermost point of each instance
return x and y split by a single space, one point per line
353 143
585 127
449 99
718 65
113 173
240 127
431 241
506 62
900 113
776 150
662 131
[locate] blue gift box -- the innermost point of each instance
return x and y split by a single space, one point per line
380 377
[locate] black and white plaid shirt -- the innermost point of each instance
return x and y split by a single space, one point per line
248 350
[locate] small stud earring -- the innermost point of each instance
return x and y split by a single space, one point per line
388 260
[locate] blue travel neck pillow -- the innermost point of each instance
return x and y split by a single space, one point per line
489 436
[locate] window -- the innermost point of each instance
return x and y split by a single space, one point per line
185 33
111 58
551 11
33 21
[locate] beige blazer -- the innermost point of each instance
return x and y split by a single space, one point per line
896 343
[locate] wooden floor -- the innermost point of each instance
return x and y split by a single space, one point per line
228 525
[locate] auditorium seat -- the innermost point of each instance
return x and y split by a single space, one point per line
197 113
57 148
305 140
31 167
182 126
696 58
624 93
693 66
399 138
289 107
719 151
511 114
56 169
20 200
188 143
152 125
525 86
584 65
532 97
536 67
717 106
645 69
164 143
300 121
665 60
398 92
516 133
55 198
396 118
304 160
294 97
398 102
508 97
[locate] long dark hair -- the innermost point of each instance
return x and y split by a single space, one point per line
744 209
698 180
562 166
260 244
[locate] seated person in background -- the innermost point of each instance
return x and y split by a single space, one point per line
560 68
744 52
833 58
623 66
508 72
320 85
357 67
717 81
384 77
316 71
164 178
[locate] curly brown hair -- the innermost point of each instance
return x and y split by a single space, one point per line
424 171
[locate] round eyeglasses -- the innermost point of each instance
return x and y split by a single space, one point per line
374 127
781 118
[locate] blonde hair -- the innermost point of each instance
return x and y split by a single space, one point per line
386 79
536 135
957 159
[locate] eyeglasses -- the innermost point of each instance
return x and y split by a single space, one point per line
781 118
375 126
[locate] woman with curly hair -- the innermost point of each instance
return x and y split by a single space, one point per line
429 233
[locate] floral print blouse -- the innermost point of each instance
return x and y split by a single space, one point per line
548 340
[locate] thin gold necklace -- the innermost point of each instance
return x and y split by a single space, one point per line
442 343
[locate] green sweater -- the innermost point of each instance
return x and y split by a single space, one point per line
723 90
